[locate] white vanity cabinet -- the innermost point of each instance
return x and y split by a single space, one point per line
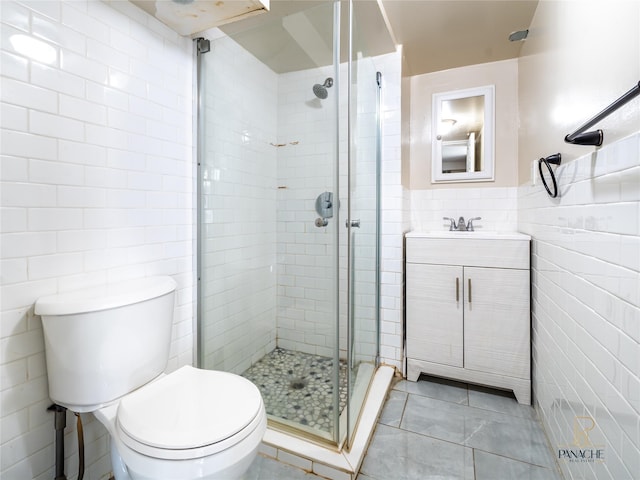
468 309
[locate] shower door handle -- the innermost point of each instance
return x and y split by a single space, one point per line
352 223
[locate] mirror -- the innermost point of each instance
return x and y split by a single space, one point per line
463 135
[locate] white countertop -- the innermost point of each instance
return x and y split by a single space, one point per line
477 235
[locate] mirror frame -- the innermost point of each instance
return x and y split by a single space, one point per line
488 148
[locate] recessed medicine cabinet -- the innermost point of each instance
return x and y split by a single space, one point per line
463 135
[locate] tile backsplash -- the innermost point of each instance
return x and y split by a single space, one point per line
497 206
97 185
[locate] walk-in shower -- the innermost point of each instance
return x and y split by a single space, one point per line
286 300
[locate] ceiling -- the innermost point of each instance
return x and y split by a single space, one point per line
438 35
435 34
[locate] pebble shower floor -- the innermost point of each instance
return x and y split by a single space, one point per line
298 387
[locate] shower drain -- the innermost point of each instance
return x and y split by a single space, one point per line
298 383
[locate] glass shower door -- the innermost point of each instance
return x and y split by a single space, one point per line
363 225
270 216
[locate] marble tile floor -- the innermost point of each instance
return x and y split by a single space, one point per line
445 430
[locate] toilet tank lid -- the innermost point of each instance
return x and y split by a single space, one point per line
104 297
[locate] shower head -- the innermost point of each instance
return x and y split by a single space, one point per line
320 91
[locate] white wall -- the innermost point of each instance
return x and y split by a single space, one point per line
504 76
591 50
494 201
586 243
97 186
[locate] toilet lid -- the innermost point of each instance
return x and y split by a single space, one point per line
188 409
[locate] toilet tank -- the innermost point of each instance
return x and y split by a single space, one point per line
102 343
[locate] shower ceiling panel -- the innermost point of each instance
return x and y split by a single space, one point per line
193 16
290 38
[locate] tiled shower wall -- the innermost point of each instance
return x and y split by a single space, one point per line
96 186
239 172
306 168
238 283
586 307
306 149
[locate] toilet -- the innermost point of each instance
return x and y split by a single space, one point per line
106 350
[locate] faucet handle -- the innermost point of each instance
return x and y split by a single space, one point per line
452 225
470 223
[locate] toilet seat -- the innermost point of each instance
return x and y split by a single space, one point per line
190 413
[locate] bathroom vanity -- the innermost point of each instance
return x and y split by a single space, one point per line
468 308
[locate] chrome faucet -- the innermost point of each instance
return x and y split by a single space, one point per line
461 226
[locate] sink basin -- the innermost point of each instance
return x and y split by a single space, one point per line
477 235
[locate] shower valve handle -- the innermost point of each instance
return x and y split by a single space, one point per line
352 223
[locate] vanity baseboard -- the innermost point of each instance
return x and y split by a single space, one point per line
520 387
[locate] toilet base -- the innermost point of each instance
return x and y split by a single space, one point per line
234 471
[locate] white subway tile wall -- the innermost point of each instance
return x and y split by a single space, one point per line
97 185
305 253
498 207
586 307
238 221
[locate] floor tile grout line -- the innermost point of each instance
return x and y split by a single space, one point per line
474 406
474 449
404 409
480 409
511 458
399 427
473 462
427 436
468 446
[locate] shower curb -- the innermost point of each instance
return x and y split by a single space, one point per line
325 462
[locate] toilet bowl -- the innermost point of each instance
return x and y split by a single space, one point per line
106 350
189 424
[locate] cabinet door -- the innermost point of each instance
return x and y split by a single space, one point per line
496 321
434 313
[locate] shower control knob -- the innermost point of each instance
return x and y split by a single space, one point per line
321 222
